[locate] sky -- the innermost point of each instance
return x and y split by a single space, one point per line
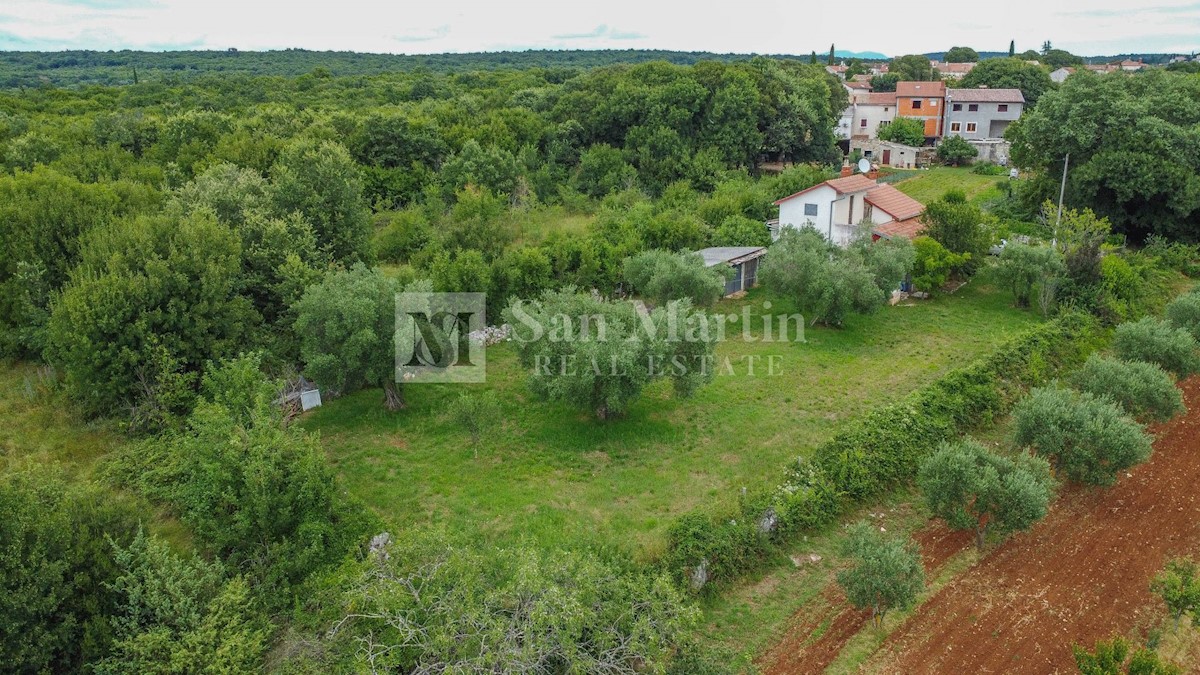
1086 27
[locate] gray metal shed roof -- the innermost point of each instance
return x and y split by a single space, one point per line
729 254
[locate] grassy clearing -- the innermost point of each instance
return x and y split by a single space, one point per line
929 185
555 476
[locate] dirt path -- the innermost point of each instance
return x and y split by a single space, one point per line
1081 575
837 622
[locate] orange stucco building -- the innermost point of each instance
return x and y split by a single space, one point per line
922 101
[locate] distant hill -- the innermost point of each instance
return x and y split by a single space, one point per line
865 56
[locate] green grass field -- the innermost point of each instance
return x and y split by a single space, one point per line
555 476
930 184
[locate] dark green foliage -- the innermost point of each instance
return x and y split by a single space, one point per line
1156 341
1112 657
970 487
959 226
1144 390
516 609
1184 312
826 281
885 82
1088 439
152 301
255 492
961 55
956 151
1032 80
174 611
912 68
904 130
603 170
1117 149
933 264
741 231
401 234
661 276
55 566
886 572
320 181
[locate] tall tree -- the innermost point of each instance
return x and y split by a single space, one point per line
1012 48
832 56
912 68
1033 81
320 181
961 55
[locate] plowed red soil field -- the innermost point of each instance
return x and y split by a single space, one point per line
1080 575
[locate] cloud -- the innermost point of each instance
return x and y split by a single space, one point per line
601 32
424 36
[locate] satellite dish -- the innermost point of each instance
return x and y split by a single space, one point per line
864 165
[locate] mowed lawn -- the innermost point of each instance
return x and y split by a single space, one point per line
930 184
554 475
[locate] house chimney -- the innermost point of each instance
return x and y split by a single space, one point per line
846 170
873 174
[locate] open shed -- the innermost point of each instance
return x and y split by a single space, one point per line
742 259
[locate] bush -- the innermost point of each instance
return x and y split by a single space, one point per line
1089 439
1022 267
1144 390
1156 341
956 151
1179 587
904 130
401 234
741 231
1174 255
514 610
1184 312
960 227
826 281
990 169
933 264
1112 657
662 276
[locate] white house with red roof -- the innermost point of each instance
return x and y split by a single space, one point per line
838 208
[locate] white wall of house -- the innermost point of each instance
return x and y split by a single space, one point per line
845 123
813 208
867 119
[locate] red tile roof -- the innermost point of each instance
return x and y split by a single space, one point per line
855 183
876 98
858 84
894 202
917 89
954 67
909 229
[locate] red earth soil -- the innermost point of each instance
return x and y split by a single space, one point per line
1080 575
798 653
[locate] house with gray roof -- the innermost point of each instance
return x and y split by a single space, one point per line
982 113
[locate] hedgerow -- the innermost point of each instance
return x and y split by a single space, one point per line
877 452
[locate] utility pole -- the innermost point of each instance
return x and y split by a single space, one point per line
1062 191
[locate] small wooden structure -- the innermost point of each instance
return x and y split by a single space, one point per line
299 396
743 260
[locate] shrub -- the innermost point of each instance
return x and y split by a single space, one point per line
903 130
886 574
826 281
478 414
956 151
514 610
1156 341
1144 390
1174 255
933 264
1112 657
401 234
662 276
1184 312
1089 439
739 230
990 169
1179 587
960 227
968 486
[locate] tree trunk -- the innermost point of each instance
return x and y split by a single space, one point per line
980 537
393 398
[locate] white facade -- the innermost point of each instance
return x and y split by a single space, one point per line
845 124
837 216
868 117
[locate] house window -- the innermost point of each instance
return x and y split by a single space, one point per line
868 211
971 127
973 107
957 107
886 109
956 126
810 209
933 103
916 105
1003 107
863 124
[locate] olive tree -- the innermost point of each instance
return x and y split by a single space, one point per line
886 572
1023 266
827 282
969 486
479 414
1144 390
1156 341
662 276
1179 587
598 355
347 327
1087 438
1184 312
